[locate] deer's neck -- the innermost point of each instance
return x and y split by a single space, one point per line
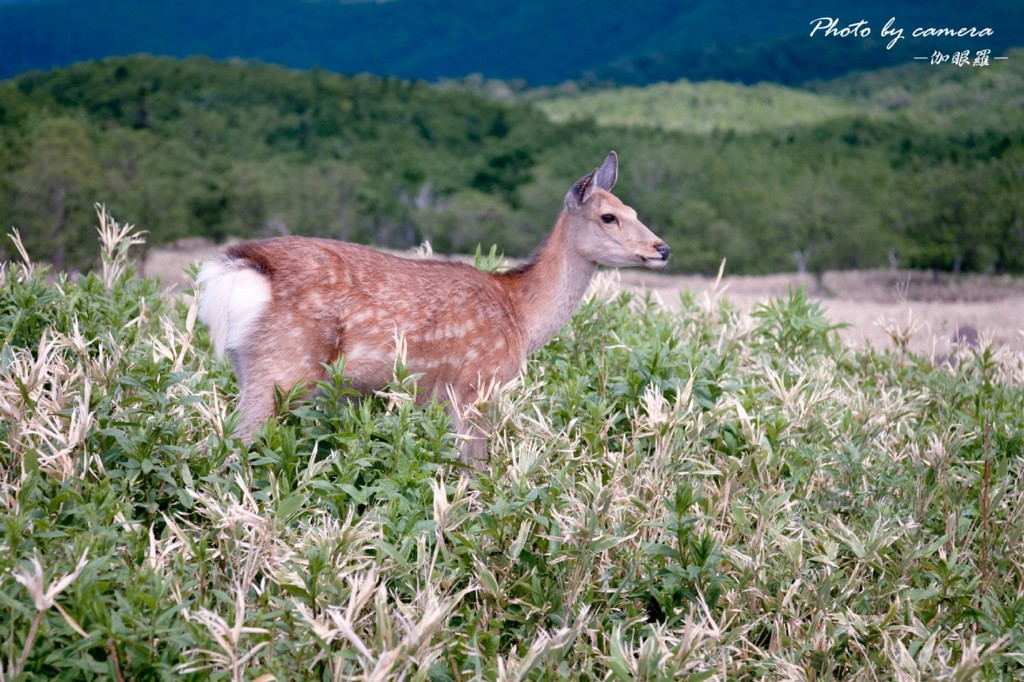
547 291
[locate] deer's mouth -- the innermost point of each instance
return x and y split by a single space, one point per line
656 263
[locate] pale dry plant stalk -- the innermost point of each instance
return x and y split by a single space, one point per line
711 297
803 391
101 365
545 646
736 329
176 344
605 285
24 379
401 391
142 318
489 407
251 545
889 415
160 552
115 240
520 432
861 626
230 512
390 638
337 623
943 655
36 391
26 268
668 423
866 550
450 514
410 633
351 541
597 519
772 516
61 443
233 655
1009 365
687 649
253 542
676 428
249 540
711 307
525 458
44 597
424 251
213 411
900 335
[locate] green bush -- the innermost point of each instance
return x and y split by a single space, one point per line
698 495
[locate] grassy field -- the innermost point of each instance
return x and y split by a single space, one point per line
934 98
705 493
700 107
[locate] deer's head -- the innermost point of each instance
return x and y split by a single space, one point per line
606 231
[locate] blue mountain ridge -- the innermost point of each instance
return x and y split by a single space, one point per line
540 43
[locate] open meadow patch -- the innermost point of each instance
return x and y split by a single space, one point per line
697 493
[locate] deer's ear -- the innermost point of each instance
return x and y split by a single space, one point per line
602 178
608 173
579 192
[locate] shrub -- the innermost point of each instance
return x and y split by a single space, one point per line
698 494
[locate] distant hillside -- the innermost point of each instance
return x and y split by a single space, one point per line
541 43
919 165
953 98
940 97
700 107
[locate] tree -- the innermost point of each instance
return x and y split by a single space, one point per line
944 206
834 220
458 224
55 191
320 199
1002 216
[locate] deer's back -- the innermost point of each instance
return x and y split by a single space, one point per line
329 299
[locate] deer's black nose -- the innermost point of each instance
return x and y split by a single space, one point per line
663 249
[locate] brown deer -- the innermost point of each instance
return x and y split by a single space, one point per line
281 307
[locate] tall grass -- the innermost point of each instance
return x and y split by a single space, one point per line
700 495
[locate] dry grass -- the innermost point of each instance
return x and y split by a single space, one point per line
873 301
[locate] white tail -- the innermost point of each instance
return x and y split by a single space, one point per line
280 307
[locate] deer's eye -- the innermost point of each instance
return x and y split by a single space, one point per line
608 218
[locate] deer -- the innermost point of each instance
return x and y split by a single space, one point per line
283 309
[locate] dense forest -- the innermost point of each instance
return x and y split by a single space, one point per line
910 167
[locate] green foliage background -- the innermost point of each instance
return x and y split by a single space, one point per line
916 165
